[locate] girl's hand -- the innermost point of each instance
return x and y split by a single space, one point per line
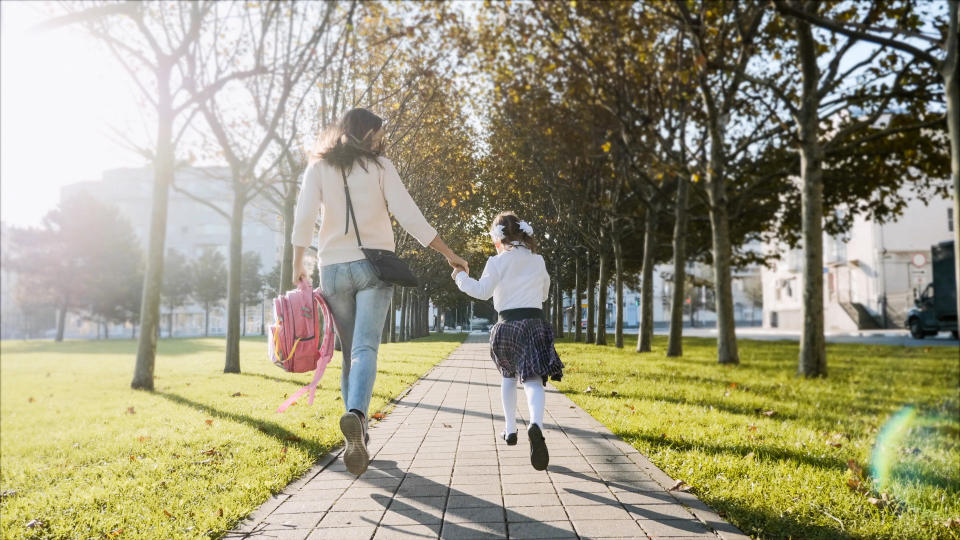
457 270
457 261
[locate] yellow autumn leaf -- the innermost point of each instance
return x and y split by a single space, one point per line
606 146
695 178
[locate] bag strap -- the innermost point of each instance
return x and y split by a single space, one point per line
350 213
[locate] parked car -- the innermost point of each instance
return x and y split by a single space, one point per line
936 307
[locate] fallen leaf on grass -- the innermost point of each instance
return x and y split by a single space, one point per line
752 427
237 394
879 503
856 469
378 416
133 457
36 524
952 523
726 394
143 438
680 485
130 410
209 422
115 532
748 456
283 454
166 513
292 438
614 393
835 444
856 485
770 413
219 512
8 493
30 399
588 390
210 452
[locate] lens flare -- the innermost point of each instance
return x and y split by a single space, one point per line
885 453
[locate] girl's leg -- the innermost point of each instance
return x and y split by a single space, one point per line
508 394
535 400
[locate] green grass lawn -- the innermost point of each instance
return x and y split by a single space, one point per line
90 458
785 474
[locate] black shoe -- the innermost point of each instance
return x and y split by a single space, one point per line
355 457
511 438
539 457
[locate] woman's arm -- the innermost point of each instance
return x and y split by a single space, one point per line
305 219
409 216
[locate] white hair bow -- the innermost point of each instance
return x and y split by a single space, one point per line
497 233
525 227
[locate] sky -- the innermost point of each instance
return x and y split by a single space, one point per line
60 93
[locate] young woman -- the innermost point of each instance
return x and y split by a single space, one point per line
521 343
350 153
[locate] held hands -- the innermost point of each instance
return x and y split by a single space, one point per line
456 270
456 261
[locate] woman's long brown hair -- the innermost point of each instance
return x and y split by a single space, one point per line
349 141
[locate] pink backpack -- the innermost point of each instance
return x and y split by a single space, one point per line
294 343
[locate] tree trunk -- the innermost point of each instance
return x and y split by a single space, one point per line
675 343
403 314
385 335
243 325
61 323
393 316
603 284
645 333
170 322
951 79
106 330
591 302
813 354
558 316
163 177
206 320
577 331
232 357
286 262
618 289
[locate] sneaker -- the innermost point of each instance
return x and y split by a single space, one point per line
539 457
355 457
511 438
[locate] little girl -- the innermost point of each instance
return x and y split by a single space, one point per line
521 343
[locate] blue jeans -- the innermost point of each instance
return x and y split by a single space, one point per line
359 302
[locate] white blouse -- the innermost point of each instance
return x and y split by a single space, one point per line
516 278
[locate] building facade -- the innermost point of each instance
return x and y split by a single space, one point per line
870 276
192 226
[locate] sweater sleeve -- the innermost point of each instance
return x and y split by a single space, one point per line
546 280
308 207
401 205
481 289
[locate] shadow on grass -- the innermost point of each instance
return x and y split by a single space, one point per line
274 378
280 433
761 451
760 524
123 347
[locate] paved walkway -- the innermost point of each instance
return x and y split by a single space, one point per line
439 470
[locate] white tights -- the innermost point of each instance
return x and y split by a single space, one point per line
535 400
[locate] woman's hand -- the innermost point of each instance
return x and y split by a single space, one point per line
457 261
300 273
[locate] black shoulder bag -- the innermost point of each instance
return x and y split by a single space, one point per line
386 264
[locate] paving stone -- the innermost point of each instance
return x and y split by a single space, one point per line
468 501
350 519
407 531
675 527
608 528
542 529
536 513
480 514
455 531
342 533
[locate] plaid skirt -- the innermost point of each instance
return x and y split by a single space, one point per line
525 347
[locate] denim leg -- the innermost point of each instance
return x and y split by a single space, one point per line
372 304
340 294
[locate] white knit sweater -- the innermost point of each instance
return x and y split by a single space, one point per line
376 193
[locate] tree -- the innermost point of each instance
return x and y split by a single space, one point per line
281 40
209 277
177 284
151 42
899 27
